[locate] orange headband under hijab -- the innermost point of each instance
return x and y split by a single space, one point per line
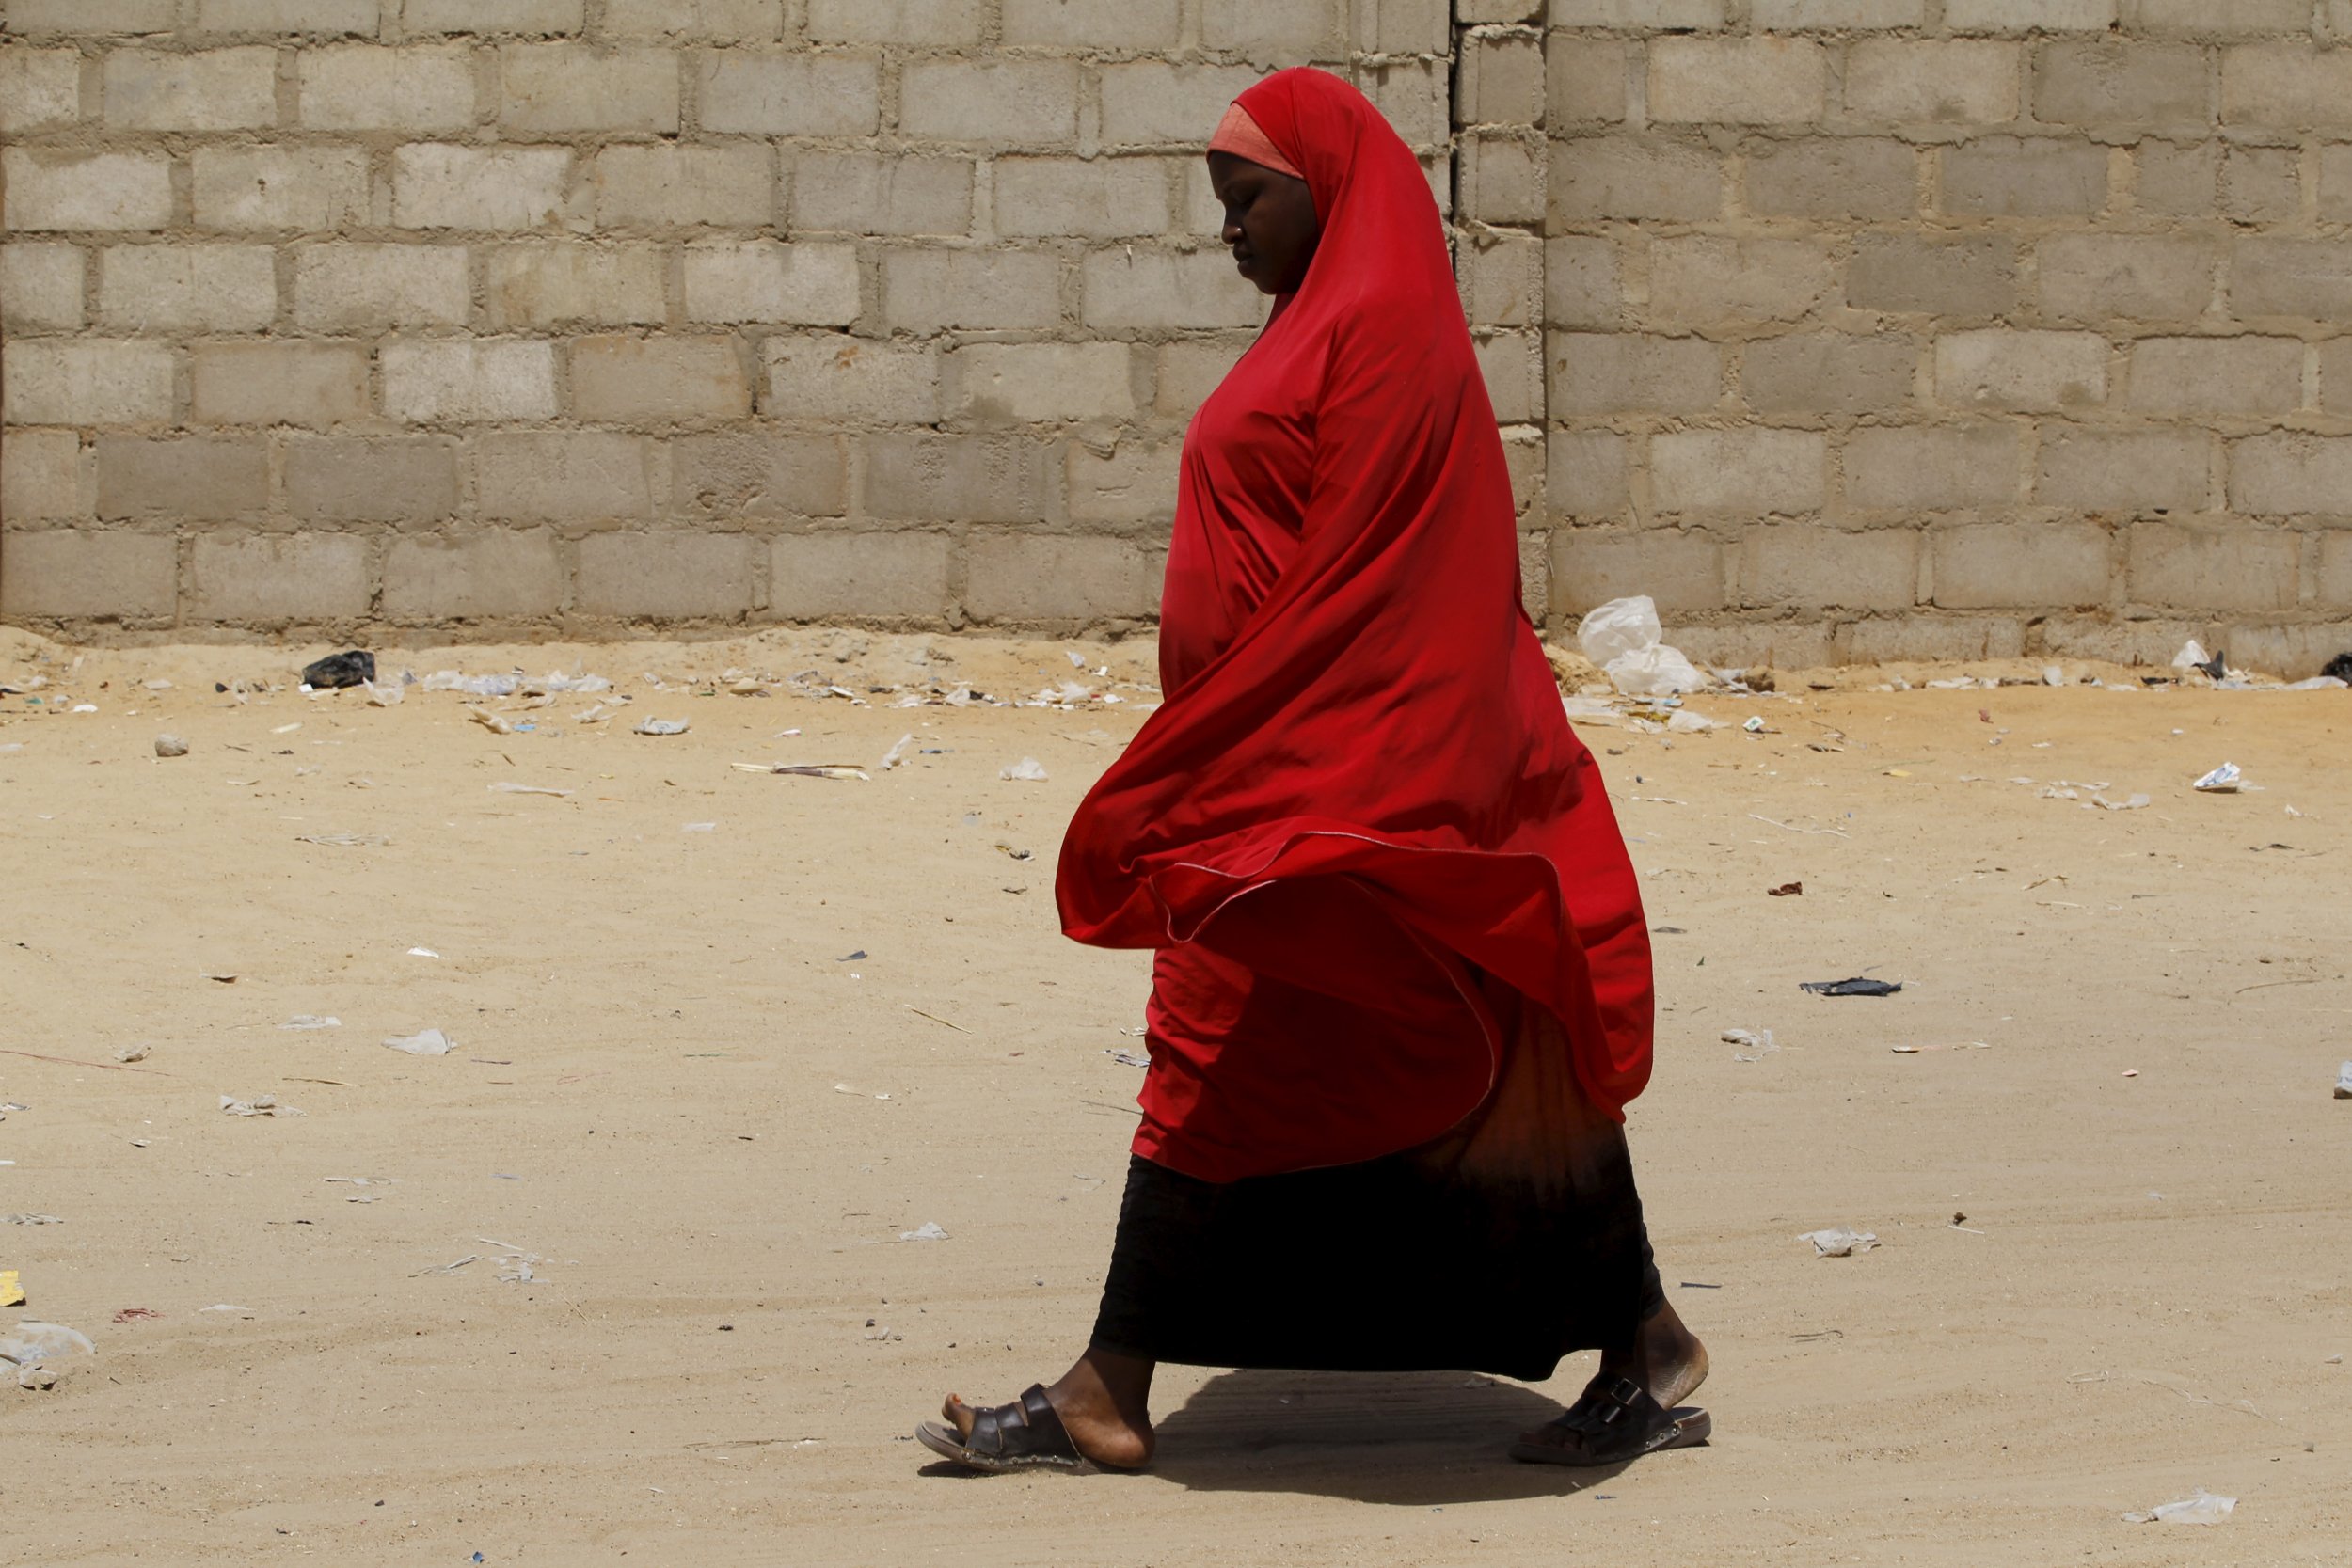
1239 135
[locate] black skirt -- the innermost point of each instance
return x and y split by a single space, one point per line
1508 1244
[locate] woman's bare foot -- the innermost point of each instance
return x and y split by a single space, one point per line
1103 1402
1666 1361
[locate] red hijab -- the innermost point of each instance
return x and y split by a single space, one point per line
1358 830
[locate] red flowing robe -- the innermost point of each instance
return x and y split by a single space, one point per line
1359 810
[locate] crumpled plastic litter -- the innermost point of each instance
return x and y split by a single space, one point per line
336 670
312 1021
2135 803
1756 1044
1858 986
526 789
473 686
1841 1240
2225 780
171 746
1029 770
663 726
2191 656
42 1352
1623 638
2200 1508
432 1043
928 1231
2344 1082
30 1219
259 1105
391 694
897 753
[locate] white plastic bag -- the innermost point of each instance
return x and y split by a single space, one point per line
1656 671
1619 627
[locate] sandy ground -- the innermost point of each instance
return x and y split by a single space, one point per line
694 1097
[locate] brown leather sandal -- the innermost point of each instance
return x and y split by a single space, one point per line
1615 1421
1024 1435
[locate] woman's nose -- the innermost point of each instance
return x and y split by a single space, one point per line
1232 232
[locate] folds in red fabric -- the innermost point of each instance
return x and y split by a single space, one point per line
1360 805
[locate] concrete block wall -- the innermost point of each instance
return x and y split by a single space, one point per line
1921 328
518 317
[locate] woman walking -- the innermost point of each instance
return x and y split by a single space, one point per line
1401 992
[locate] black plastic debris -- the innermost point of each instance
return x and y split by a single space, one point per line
1855 987
2339 667
2217 667
356 668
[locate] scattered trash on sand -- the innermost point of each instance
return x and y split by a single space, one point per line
2225 780
132 1053
136 1315
700 827
806 770
1754 723
336 670
226 1307
472 685
526 789
1755 1044
897 753
11 1289
432 1043
2340 668
171 746
1841 1240
312 1021
2136 804
2344 1082
1786 890
1623 637
2202 1508
928 1231
344 841
259 1105
43 1352
663 726
1858 986
1029 770
1128 1058
1958 1045
385 696
489 721
30 1219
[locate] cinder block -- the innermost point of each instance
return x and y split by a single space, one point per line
570 282
2294 650
2264 184
476 575
758 474
1584 474
2335 375
930 291
837 378
1502 178
2102 637
2308 279
50 190
40 287
1841 16
314 385
214 90
731 185
941 24
1612 372
1157 103
1498 78
2332 586
469 381
668 576
2233 567
574 87
196 476
1682 569
2121 84
1713 279
1512 366
1596 178
2123 471
1941 82
703 20
1933 467
1917 275
87 574
1135 482
562 475
2288 473
1750 80
2149 277
1692 16
2217 375
1584 81
1128 26
1059 578
312 189
2025 177
1829 372
875 193
1287 34
1998 368
971 479
1927 639
1190 371
1410 26
2177 179
2293 86
2238 18
344 287
620 380
441 185
273 579
40 89
1581 283
395 479
1791 645
363 86
45 475
1502 278
2020 16
87 381
315 18
1005 102
1159 290
187 288
788 92
90 17
1832 177
994 383
494 18
853 576
808 282
1101 199
1753 470
1812 567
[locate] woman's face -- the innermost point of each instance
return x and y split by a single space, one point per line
1269 221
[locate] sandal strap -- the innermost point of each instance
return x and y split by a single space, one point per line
1027 1426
